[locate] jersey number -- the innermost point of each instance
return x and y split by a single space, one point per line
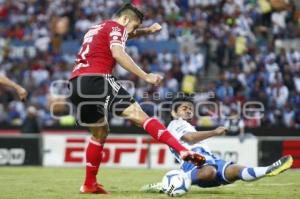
85 48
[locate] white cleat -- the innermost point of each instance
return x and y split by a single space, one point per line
152 188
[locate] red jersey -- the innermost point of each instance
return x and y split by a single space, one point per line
95 56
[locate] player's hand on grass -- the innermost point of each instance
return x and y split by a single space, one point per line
193 157
155 28
221 130
22 93
155 79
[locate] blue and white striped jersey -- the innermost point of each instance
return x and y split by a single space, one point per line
178 128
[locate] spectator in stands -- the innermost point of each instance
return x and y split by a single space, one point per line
279 23
235 125
225 91
288 116
297 119
278 92
38 45
30 124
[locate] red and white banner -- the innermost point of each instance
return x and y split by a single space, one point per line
119 151
138 151
292 147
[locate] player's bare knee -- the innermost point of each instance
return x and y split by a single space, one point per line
208 174
136 114
100 132
232 172
211 174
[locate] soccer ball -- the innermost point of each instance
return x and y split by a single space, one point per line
176 183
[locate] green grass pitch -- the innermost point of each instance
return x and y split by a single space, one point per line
64 183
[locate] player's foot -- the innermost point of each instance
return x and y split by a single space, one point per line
193 157
279 166
94 189
152 188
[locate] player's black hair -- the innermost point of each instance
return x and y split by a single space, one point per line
130 7
177 101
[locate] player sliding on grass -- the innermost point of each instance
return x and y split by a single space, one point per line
22 93
95 91
216 171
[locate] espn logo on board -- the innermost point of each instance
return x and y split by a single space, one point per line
137 151
117 151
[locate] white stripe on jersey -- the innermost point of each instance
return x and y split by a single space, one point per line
179 128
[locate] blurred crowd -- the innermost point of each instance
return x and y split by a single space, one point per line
230 52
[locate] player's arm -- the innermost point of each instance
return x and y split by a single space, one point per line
22 93
145 31
126 62
242 130
194 137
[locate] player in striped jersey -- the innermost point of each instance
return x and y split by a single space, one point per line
215 171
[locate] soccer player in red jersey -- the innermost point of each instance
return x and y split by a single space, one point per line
95 92
22 93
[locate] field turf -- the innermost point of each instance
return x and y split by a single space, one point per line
63 183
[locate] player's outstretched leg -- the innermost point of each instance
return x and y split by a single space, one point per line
280 165
232 173
159 132
254 173
93 159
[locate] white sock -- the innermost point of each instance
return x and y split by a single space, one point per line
252 173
